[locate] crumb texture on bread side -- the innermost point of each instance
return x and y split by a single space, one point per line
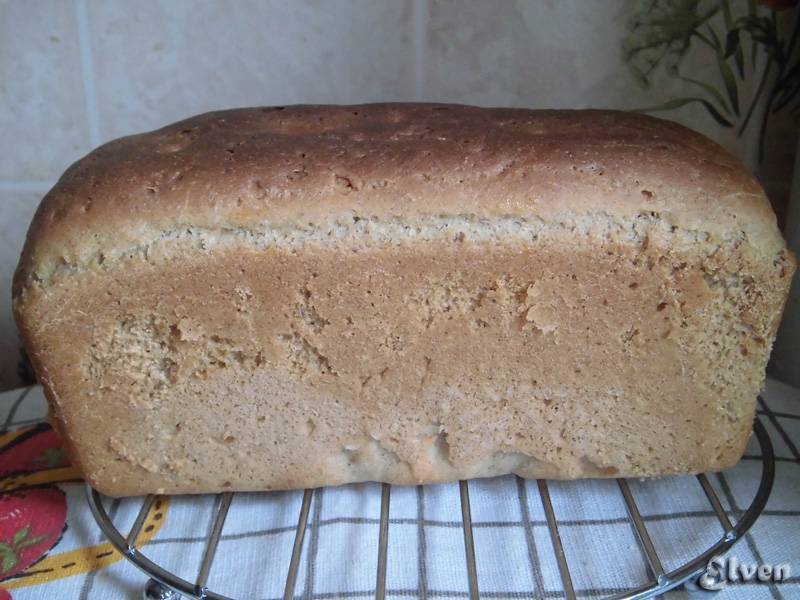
265 368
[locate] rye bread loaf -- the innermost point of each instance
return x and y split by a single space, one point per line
278 298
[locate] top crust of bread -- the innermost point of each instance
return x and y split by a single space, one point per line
269 167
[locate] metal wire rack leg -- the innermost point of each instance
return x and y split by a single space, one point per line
164 584
469 544
555 538
300 532
383 543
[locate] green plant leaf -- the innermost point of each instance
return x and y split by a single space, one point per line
733 47
751 12
726 13
764 31
789 94
786 88
738 59
793 74
9 561
51 458
31 541
731 43
729 79
711 90
714 38
21 535
679 102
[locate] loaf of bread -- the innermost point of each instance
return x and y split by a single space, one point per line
289 297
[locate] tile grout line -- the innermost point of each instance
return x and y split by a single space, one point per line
14 185
87 68
419 38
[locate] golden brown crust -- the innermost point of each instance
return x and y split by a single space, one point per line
250 167
282 298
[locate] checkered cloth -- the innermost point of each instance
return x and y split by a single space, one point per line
426 557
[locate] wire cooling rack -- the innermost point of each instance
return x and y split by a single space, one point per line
165 584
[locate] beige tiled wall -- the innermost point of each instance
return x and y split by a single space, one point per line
75 73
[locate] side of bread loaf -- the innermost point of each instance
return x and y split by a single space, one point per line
302 296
